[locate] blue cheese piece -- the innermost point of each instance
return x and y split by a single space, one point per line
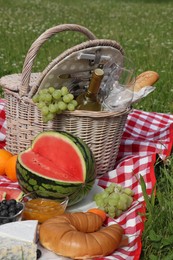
21 230
12 249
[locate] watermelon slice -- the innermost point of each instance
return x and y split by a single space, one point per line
2 196
10 193
57 164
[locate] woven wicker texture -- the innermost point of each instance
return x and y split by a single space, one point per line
102 131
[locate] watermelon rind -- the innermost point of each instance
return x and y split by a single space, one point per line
50 188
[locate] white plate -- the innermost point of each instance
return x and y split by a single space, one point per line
87 203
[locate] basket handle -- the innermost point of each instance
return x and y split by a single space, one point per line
32 52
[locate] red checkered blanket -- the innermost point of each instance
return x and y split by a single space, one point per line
145 136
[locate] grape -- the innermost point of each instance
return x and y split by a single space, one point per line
43 91
57 94
100 203
110 188
129 201
104 195
121 205
41 104
106 200
50 116
64 91
70 107
112 209
111 214
45 110
58 111
51 90
114 200
66 99
118 213
74 102
48 98
41 98
115 196
128 191
97 196
62 106
70 96
35 99
52 108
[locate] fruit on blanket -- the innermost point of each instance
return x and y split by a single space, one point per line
78 236
10 193
4 156
57 164
114 200
99 212
10 168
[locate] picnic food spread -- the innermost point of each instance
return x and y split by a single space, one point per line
64 158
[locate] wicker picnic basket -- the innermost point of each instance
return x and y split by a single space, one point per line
102 131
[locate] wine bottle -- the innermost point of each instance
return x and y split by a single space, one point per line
89 99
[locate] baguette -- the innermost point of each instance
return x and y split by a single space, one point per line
147 78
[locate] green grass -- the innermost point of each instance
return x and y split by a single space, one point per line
157 237
143 28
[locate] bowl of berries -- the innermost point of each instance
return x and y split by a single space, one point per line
10 211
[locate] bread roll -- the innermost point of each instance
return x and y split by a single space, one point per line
81 236
147 78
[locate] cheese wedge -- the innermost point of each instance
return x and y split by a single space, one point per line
18 240
20 230
12 249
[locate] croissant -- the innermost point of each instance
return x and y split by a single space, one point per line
79 235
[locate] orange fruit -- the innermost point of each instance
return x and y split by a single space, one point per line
4 156
99 212
10 168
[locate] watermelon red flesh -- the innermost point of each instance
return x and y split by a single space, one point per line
10 193
49 158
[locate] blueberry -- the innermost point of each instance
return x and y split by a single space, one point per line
38 253
4 213
4 206
3 201
11 214
12 208
12 202
19 206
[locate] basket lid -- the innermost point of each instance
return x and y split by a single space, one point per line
74 70
12 82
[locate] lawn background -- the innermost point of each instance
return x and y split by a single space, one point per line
143 28
145 31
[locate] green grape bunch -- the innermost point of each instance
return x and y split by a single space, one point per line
53 101
114 199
